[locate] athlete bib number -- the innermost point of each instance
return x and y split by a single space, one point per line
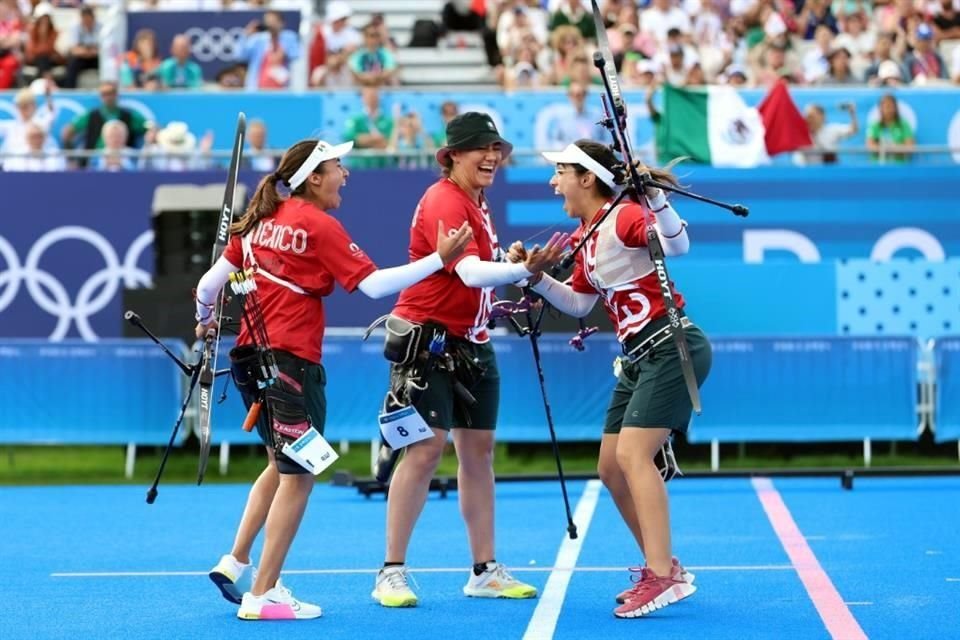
403 427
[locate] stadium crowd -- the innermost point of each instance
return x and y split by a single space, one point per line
48 47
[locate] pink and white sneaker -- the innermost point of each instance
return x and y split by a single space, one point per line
654 592
277 603
685 575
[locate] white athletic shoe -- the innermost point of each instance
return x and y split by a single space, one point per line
233 578
276 604
496 582
392 589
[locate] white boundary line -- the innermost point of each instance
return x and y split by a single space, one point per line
312 572
544 620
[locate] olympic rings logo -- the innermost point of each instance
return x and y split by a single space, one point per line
215 43
93 295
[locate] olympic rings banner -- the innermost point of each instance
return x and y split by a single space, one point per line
216 37
825 251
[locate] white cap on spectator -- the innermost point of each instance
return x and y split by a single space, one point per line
889 69
176 138
645 65
338 10
42 9
774 26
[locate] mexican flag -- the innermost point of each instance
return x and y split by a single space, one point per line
713 125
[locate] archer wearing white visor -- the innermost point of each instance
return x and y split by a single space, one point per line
298 253
650 400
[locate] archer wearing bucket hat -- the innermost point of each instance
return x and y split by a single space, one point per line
457 303
472 130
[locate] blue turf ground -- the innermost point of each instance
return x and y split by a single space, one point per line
890 547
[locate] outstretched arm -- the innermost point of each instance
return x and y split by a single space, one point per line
564 298
383 282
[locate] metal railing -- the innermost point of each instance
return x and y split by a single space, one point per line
424 158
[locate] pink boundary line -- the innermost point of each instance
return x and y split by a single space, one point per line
836 616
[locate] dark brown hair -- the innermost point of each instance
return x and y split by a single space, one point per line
267 197
607 158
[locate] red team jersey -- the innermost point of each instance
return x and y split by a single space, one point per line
623 273
307 247
443 297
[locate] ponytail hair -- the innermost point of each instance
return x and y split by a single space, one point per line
274 188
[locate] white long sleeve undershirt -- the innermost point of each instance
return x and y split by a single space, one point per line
479 273
378 284
671 229
564 298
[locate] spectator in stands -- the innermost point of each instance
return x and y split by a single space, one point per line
179 71
640 72
572 12
674 66
448 111
14 131
840 71
370 129
578 120
268 50
380 23
115 155
735 76
925 62
334 74
11 35
775 63
85 52
946 22
408 136
891 132
174 148
858 37
524 73
373 65
232 77
338 40
582 71
816 61
255 156
813 14
883 53
40 50
565 43
90 124
37 158
338 35
826 136
660 17
141 62
517 18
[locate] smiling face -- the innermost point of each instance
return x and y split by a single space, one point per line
325 184
475 169
573 187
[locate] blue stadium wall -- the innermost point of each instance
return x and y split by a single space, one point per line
825 251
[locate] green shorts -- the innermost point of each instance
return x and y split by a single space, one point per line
651 391
312 379
442 408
